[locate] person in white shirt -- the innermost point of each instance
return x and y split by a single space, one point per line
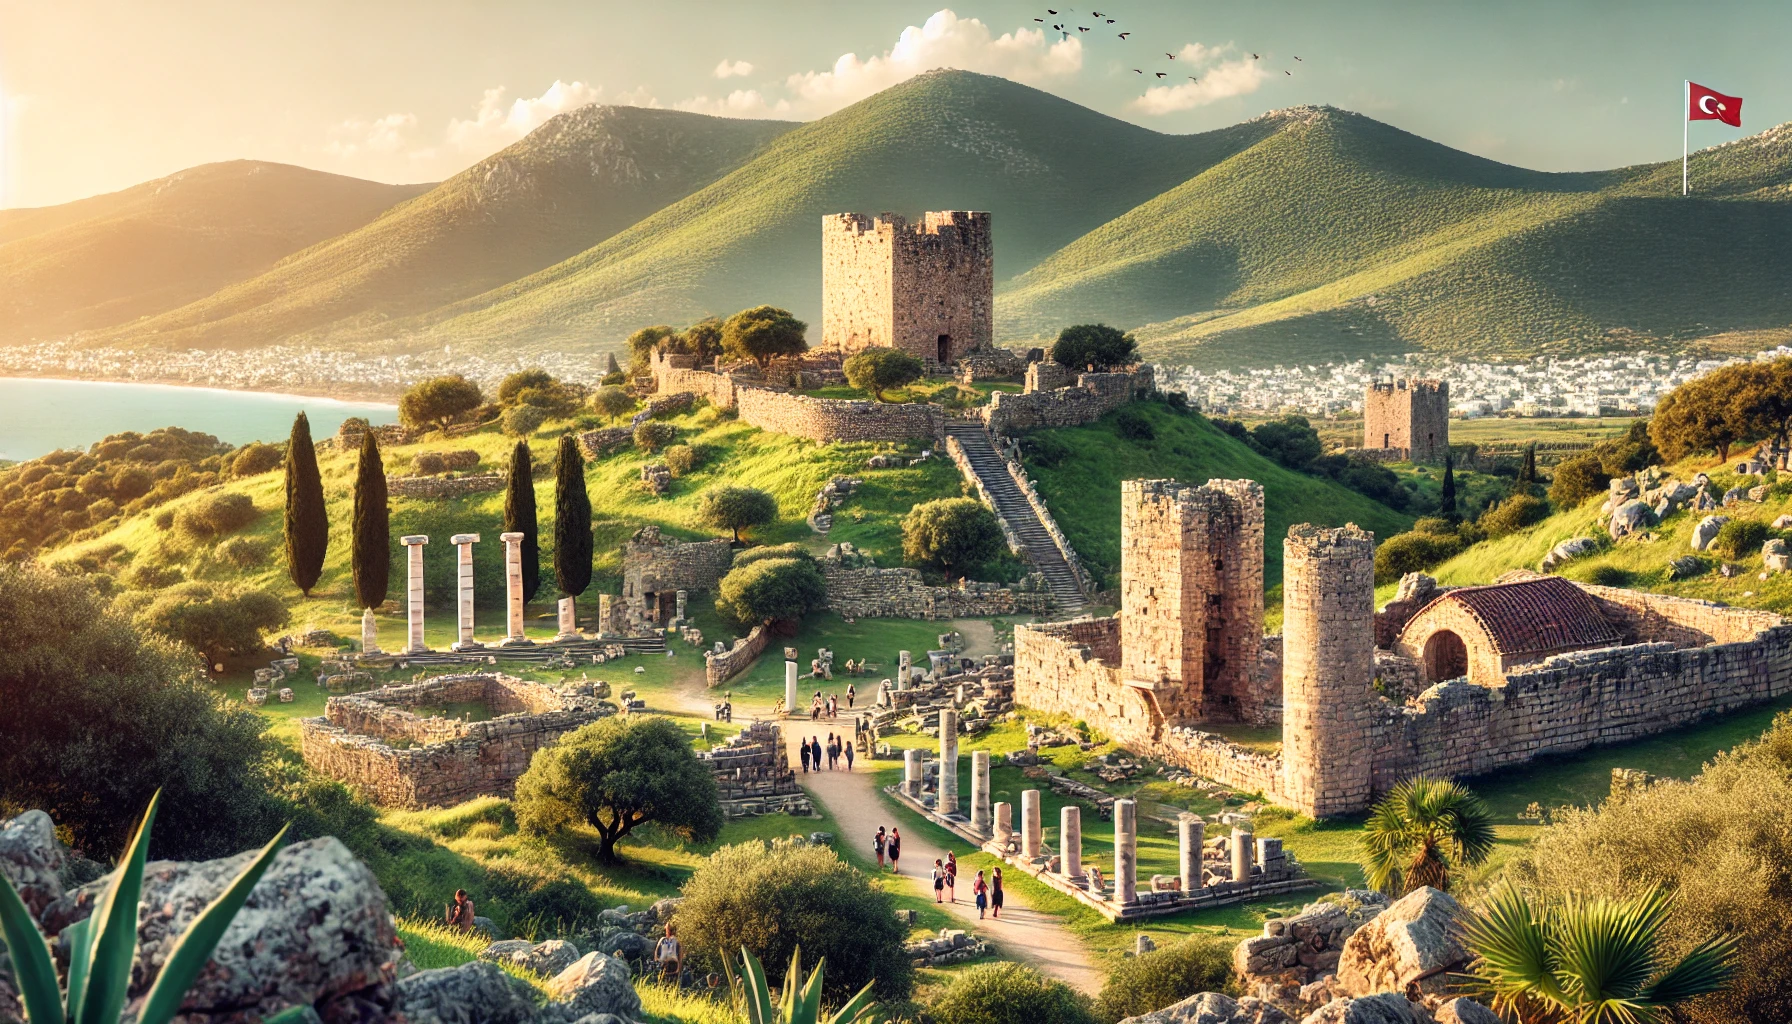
670 955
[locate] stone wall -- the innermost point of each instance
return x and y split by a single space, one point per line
440 762
654 569
1093 396
902 594
753 775
675 372
925 288
440 487
719 668
596 444
1413 416
832 419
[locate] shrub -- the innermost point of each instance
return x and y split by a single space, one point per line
1166 975
461 459
511 388
773 897
611 401
680 459
1129 424
1513 514
522 420
953 533
736 508
759 554
876 370
1045 449
212 619
133 482
1291 441
771 590
763 333
428 464
242 552
1578 478
1412 552
1610 576
214 515
1008 993
653 435
1740 538
438 401
255 458
1093 345
150 576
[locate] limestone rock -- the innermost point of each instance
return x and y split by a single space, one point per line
596 984
1775 557
1630 517
1465 1011
1686 567
1736 495
315 928
1568 551
1407 949
1417 588
473 993
1385 1008
32 859
1782 523
506 949
1706 532
601 1018
545 958
1214 1008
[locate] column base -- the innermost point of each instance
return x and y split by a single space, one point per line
568 638
417 650
516 641
466 645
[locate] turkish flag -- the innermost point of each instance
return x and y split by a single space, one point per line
1709 105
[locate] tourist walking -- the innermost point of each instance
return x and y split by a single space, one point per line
951 877
877 843
815 752
980 889
804 745
849 747
851 694
833 752
939 880
669 954
895 848
995 894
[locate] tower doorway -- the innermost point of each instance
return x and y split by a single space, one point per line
945 357
1446 657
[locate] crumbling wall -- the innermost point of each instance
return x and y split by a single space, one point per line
833 419
902 594
1093 396
719 668
661 567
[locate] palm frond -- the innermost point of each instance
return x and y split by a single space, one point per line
1708 968
1514 955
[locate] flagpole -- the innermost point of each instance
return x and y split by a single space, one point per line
1685 130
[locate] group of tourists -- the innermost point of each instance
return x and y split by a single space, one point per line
829 706
986 892
813 753
887 844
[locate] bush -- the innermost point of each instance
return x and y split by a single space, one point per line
461 459
1578 478
212 619
1132 426
759 554
1167 975
1291 441
1412 552
1093 345
610 401
511 388
771 590
1610 576
149 576
428 464
214 515
1740 538
680 459
735 508
876 370
654 435
1513 514
773 897
255 458
953 533
242 552
522 420
1008 993
438 401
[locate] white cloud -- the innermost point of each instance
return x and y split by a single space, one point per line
495 125
739 103
733 69
380 135
1217 78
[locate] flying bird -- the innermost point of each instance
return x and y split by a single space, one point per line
1288 73
1162 74
1048 10
1080 28
1170 55
1255 57
1110 21
1096 13
1139 70
1123 35
1192 78
1302 61
1040 20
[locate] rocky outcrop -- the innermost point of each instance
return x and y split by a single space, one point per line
1706 532
1567 551
1408 949
1214 1008
1385 1008
32 859
473 993
1465 1011
1289 962
544 958
596 984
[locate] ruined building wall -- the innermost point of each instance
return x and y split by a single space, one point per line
652 565
886 282
1328 667
1412 416
1092 396
833 419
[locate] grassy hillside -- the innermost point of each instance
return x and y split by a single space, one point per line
573 182
114 258
1083 489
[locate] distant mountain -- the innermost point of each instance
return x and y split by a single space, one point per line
570 184
114 258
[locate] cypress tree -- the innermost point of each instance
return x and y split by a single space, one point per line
519 515
572 520
371 552
612 366
307 520
1527 475
1446 501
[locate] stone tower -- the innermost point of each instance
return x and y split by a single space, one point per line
1328 667
1408 415
1191 597
925 288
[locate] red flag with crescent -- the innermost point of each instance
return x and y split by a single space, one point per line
1709 105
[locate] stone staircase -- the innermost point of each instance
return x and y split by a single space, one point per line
1014 508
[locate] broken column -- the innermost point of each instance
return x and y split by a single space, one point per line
370 632
1241 855
682 596
902 670
606 610
948 798
568 616
911 773
790 687
1191 832
513 589
980 792
1070 841
1004 821
463 560
1029 824
1126 852
414 590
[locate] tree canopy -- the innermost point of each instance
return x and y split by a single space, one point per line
519 515
952 533
736 508
1097 346
877 370
438 401
611 401
771 590
1424 832
763 333
1731 405
212 618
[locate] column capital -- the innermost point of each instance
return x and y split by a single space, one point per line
414 540
464 538
511 538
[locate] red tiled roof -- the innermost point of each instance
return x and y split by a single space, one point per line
1535 615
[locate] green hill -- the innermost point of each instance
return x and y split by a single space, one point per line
571 183
1082 487
113 258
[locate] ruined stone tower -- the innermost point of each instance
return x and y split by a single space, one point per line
1191 597
1328 667
1408 415
925 288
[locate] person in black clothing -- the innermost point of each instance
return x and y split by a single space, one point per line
805 748
895 848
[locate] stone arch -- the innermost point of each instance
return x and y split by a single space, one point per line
1445 657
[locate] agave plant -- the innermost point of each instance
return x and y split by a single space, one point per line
103 946
801 1003
1589 961
1420 832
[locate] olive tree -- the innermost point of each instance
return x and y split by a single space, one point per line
763 333
438 401
877 370
952 533
736 508
1096 346
771 590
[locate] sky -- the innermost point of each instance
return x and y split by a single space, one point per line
97 95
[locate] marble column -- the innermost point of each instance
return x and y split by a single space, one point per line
1191 833
1004 820
370 632
569 620
513 589
682 596
911 773
1030 844
980 792
948 801
414 591
902 665
1241 855
463 561
790 688
1126 852
606 609
1070 841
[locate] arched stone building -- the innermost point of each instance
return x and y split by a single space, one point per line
1484 632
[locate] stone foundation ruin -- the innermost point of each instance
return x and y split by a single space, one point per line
378 744
753 776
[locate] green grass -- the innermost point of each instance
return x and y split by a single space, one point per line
1083 489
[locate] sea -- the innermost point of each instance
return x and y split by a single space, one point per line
38 416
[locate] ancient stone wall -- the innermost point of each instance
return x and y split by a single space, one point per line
439 487
604 441
1093 396
1046 375
719 668
832 419
902 594
655 568
1656 618
1413 415
675 372
925 288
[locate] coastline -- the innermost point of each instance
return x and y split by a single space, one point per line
346 393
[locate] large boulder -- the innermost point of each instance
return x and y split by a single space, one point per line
1631 517
314 929
1465 1011
1775 556
1385 1008
32 859
544 958
1214 1008
1568 551
473 993
595 984
1706 532
1408 949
